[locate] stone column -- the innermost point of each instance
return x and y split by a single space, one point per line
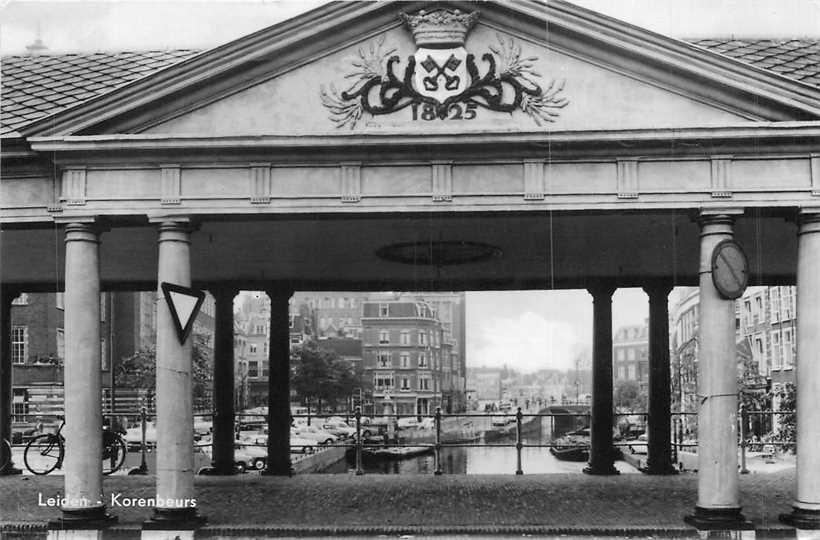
174 399
601 454
279 384
659 459
223 426
82 464
7 296
805 512
718 504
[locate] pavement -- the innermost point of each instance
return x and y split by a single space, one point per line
321 505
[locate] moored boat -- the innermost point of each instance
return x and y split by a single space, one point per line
573 446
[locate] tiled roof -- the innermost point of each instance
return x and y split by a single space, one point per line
34 86
794 58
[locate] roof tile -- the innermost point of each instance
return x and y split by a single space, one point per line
34 86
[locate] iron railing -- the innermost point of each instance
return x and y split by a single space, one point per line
509 425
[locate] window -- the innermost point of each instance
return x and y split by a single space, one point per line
405 383
59 300
19 344
384 359
422 338
776 354
787 303
252 348
103 355
290 321
295 340
788 351
21 300
631 372
265 370
405 337
383 310
384 337
405 360
774 304
422 360
60 343
260 329
630 355
621 372
103 298
19 405
253 368
424 383
383 380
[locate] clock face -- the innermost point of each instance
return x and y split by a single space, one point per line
730 269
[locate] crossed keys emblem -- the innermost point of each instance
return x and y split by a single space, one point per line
451 82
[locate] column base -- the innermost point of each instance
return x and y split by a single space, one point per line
279 470
83 519
718 519
801 518
603 469
216 471
174 519
10 471
666 470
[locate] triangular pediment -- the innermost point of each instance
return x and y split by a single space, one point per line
515 66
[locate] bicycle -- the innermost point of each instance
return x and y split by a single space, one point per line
45 452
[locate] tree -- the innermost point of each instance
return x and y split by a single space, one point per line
629 397
139 371
322 375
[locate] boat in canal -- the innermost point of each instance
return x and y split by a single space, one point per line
395 452
574 446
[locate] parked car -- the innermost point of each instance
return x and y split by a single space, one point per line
133 436
319 436
339 428
298 445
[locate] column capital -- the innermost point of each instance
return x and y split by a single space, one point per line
279 292
601 289
82 232
658 288
808 220
717 221
219 290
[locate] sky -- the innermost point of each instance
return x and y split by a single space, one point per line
139 25
527 330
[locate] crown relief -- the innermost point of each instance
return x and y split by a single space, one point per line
442 81
439 27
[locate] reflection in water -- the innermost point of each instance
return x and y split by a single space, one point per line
480 460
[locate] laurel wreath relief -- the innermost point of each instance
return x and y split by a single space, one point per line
376 89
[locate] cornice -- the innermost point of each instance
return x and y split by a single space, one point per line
758 138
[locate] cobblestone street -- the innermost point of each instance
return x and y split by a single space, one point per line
372 504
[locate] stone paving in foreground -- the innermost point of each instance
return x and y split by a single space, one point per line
373 504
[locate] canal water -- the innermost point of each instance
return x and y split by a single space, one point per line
481 459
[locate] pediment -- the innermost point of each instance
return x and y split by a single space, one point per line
529 67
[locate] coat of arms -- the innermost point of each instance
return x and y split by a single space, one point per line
442 80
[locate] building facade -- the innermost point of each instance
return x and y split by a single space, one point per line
630 354
403 351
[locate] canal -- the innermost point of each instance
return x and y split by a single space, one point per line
481 459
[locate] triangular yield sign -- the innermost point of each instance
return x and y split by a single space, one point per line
184 304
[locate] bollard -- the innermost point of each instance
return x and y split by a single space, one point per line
675 441
359 470
518 444
438 442
143 468
743 469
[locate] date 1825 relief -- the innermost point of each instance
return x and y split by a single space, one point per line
441 81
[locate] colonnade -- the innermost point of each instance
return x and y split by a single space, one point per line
718 495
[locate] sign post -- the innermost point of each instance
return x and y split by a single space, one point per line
184 304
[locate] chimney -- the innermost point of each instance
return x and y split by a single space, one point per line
38 45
